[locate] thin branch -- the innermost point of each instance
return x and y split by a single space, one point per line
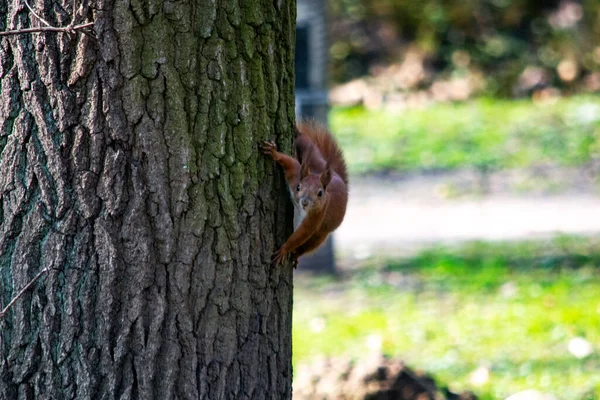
34 13
71 28
89 34
22 292
65 29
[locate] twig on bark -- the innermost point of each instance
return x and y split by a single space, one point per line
64 29
71 28
42 20
22 292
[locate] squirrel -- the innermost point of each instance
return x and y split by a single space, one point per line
318 183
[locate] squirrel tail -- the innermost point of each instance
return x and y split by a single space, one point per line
310 134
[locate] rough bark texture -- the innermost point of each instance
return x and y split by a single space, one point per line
129 166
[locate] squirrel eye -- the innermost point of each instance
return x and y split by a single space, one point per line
298 188
320 192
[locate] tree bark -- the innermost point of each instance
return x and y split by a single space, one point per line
129 168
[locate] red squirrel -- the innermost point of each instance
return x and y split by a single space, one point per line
318 184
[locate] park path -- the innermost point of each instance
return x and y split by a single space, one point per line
400 213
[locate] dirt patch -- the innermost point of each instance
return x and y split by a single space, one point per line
378 379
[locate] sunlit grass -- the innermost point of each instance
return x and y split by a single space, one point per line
512 308
482 134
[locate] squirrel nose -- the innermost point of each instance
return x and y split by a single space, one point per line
304 202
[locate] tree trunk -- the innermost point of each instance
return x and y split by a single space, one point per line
129 168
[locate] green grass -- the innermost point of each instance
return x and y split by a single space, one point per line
482 133
510 307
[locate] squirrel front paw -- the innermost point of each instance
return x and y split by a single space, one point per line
279 256
269 147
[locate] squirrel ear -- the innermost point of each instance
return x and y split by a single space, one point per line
305 171
326 177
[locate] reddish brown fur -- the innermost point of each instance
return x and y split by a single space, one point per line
309 134
322 170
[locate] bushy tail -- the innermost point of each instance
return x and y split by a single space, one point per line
312 134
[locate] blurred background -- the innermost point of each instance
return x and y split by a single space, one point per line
468 264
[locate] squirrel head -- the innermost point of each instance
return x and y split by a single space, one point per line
311 193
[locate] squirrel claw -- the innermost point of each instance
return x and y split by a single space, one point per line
269 147
279 256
